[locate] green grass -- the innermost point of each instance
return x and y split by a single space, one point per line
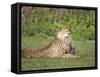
35 41
86 49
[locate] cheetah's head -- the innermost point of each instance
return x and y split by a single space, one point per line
63 34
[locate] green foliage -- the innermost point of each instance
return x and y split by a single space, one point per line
47 21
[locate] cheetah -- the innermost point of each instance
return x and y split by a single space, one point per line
59 47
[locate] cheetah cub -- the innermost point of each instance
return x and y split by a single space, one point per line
57 48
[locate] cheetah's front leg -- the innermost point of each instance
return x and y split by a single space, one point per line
70 56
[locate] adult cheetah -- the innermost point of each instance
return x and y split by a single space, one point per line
59 47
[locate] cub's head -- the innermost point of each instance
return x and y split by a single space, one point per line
63 34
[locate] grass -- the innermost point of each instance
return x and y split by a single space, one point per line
86 49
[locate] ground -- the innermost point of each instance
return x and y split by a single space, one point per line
86 49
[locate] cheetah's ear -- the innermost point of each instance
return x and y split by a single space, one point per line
63 28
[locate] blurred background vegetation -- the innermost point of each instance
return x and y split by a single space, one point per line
43 23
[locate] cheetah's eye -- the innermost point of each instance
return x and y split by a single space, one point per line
69 33
67 37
